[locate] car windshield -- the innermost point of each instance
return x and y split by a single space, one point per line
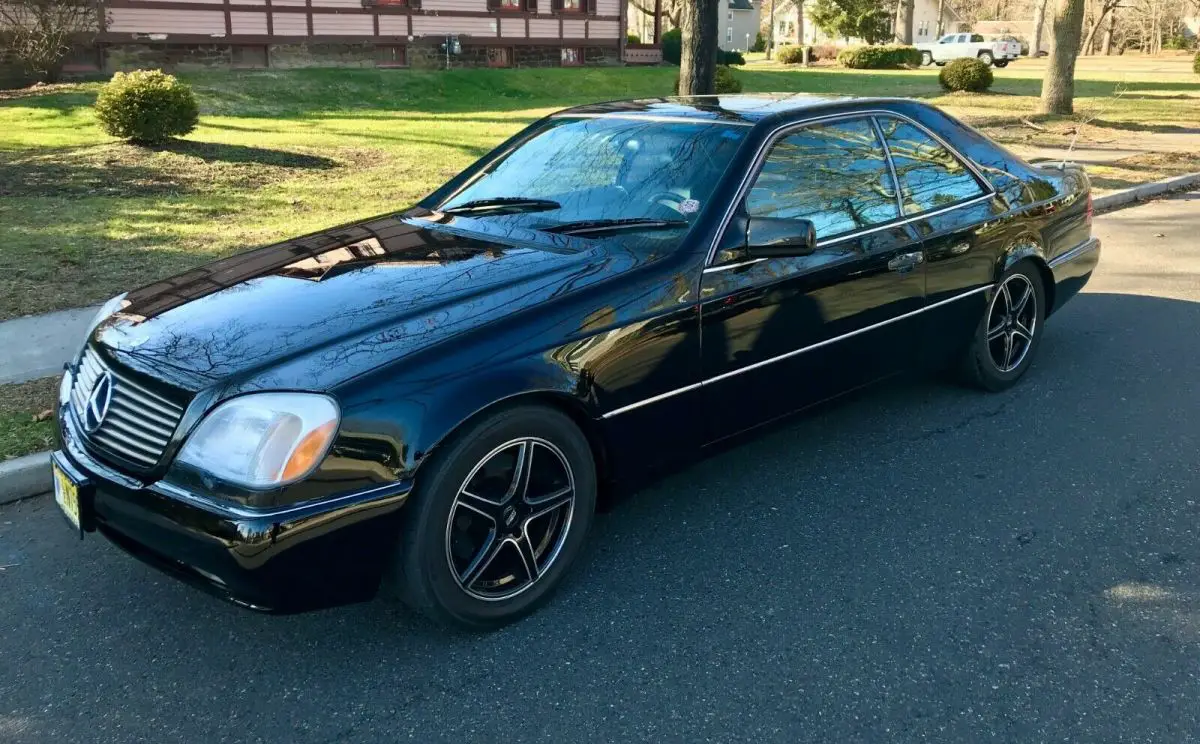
648 174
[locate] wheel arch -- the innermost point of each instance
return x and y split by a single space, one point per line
570 406
1029 247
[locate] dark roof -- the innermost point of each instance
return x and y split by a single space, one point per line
741 5
746 108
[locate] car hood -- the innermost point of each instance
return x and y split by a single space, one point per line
352 297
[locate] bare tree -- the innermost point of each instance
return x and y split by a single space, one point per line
1106 44
904 20
1039 23
698 58
39 33
1058 87
1106 7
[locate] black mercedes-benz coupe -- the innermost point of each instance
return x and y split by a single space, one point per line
428 402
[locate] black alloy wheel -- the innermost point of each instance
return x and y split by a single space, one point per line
1010 330
498 515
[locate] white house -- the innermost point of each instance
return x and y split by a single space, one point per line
789 26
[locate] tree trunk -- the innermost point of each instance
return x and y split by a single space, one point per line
800 22
698 60
941 24
1106 45
1058 87
904 20
771 31
1091 35
1039 22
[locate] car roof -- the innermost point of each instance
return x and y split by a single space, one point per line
749 108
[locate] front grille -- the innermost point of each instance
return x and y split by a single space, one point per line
138 423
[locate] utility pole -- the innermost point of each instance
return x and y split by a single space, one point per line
771 31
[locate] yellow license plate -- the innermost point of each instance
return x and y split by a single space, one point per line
66 494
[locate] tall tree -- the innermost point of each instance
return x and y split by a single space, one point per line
904 20
1106 45
868 20
1058 87
1106 7
1039 23
698 60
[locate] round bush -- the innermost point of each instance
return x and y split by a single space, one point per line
789 55
723 82
879 57
966 74
672 46
146 107
730 58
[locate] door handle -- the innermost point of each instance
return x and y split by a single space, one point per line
906 262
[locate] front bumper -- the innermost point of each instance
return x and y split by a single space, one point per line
287 559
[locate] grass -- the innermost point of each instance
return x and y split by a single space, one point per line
83 217
25 422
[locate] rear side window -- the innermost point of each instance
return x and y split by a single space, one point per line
931 177
976 38
835 175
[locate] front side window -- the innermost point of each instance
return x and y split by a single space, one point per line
930 176
610 168
835 175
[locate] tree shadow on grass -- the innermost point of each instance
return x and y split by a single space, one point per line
1137 126
180 167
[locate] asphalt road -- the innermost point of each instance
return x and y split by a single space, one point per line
921 563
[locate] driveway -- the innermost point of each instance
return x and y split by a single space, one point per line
920 563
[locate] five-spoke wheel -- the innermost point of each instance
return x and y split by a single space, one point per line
499 513
1009 331
510 519
1012 322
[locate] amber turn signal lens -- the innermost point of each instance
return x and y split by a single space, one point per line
309 452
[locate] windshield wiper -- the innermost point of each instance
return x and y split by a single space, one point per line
588 227
503 203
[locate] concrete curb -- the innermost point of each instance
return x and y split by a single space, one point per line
1136 194
23 477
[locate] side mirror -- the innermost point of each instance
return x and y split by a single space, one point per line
771 237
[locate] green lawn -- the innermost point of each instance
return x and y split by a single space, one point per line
25 422
280 153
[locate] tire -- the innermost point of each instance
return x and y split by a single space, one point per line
1001 63
984 363
441 567
926 59
986 58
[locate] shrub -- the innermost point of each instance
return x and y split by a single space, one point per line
789 55
967 73
822 51
879 57
146 107
725 81
672 46
760 44
633 39
730 58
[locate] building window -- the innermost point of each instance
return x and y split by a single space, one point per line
400 3
249 57
499 57
510 4
728 34
391 55
572 6
782 28
572 56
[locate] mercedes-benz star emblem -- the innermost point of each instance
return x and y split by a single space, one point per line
96 407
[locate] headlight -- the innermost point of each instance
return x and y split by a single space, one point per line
106 311
263 440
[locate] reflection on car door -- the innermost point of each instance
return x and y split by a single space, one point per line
954 212
782 333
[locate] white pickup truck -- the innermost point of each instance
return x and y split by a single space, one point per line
956 46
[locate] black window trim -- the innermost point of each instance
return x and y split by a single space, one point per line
784 130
